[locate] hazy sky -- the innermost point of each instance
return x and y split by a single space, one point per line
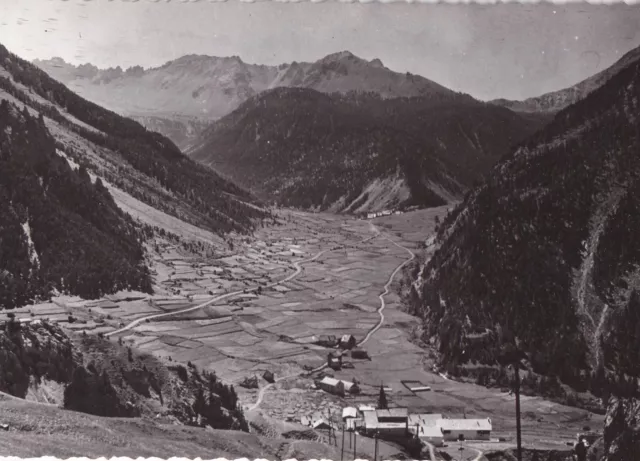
513 51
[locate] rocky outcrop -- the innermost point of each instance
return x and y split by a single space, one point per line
621 441
34 351
106 378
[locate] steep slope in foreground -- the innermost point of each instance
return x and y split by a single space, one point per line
144 164
37 430
547 249
178 97
558 100
93 375
154 409
359 152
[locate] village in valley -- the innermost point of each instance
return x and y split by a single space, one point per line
312 333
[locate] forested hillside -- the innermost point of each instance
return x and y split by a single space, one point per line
547 249
58 230
359 151
143 163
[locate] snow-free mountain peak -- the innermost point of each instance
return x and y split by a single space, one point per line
195 89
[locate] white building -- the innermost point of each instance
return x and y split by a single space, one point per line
432 435
471 429
338 387
349 412
425 426
365 407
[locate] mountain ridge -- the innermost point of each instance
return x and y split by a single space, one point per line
359 151
217 85
555 101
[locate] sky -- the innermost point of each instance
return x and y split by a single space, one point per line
509 51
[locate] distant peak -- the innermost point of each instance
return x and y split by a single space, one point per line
201 58
54 60
376 63
340 55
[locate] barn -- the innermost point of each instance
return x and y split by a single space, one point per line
359 353
347 341
337 387
268 376
327 341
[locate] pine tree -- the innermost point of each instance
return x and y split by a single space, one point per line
382 399
200 404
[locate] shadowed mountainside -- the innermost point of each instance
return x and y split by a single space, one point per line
359 152
546 249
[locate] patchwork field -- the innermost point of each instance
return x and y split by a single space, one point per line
264 305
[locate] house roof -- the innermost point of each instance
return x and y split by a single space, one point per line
430 431
393 413
330 381
334 382
366 408
348 385
320 423
347 337
349 412
464 424
370 418
424 419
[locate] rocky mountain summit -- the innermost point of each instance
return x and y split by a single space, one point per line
180 96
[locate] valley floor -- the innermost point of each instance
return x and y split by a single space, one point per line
233 314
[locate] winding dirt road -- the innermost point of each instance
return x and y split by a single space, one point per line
386 290
218 298
264 389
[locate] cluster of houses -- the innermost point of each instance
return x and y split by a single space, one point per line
337 386
382 213
398 424
343 342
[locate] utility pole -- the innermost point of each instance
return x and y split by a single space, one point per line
342 450
510 356
516 368
461 449
330 424
355 437
375 445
